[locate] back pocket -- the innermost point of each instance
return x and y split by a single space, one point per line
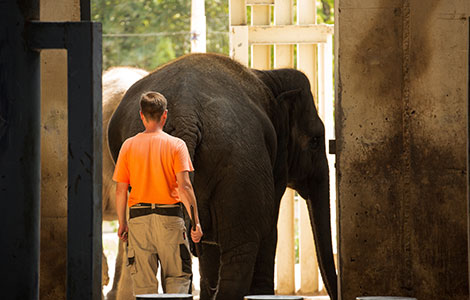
131 260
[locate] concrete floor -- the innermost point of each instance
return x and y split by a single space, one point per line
110 246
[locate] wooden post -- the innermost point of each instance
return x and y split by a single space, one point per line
239 44
307 63
198 26
238 31
309 274
326 111
283 54
283 58
261 54
285 256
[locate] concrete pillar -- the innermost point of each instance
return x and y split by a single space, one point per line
401 152
54 155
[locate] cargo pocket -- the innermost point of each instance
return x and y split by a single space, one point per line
131 261
185 259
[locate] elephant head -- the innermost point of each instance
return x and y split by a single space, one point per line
301 158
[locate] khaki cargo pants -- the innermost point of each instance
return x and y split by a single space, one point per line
157 238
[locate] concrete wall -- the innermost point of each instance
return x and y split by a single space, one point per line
54 155
401 120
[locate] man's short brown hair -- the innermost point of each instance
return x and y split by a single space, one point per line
152 105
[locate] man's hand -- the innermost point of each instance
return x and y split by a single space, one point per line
122 232
196 233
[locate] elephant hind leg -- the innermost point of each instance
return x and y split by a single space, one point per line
263 275
209 264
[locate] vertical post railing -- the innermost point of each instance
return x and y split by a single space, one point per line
307 63
198 26
238 31
283 54
285 253
326 107
261 54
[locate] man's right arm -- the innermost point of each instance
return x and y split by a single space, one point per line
186 193
121 202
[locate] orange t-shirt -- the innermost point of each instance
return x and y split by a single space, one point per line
149 162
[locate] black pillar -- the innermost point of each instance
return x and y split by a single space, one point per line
19 153
84 207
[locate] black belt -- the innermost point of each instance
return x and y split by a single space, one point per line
143 209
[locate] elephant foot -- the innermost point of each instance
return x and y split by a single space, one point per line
236 272
209 264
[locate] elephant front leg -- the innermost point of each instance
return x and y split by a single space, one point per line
263 276
236 271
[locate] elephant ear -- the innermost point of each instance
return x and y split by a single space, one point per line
282 119
286 99
286 102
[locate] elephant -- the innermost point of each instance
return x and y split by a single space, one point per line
250 134
115 82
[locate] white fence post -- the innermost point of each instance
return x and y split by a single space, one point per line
307 63
283 54
238 31
285 255
326 92
198 26
261 54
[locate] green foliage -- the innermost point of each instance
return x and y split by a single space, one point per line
217 26
325 11
148 33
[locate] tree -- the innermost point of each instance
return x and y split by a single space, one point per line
325 11
148 33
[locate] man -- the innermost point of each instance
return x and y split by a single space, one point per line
156 166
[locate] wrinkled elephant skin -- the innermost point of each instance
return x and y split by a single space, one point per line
250 134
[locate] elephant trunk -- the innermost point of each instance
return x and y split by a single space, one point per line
318 204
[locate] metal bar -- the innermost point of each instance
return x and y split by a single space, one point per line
85 10
19 153
46 35
84 209
84 213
